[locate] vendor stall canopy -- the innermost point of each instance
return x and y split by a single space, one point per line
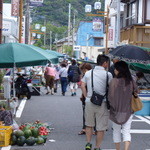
21 55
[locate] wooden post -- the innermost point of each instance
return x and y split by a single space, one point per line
1 19
107 27
20 20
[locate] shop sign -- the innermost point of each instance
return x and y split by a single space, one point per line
15 8
110 35
6 30
36 2
76 48
97 24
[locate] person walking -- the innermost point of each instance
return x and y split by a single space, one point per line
50 76
120 95
95 114
56 79
74 77
84 68
63 78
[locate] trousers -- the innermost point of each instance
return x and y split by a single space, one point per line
64 83
125 131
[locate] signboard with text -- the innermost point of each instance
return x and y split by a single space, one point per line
97 24
36 2
15 7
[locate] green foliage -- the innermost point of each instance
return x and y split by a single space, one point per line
68 50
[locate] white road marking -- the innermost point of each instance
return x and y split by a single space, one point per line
144 119
148 117
137 120
140 131
6 148
20 108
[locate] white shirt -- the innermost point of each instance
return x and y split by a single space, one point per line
63 72
99 80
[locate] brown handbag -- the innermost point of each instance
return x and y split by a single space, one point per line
136 103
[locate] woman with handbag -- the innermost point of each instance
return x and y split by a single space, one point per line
120 96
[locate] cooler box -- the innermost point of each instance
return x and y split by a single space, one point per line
146 105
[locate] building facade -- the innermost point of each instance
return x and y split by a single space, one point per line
135 22
90 38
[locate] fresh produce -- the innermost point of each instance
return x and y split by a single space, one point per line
35 132
21 141
30 141
40 140
27 133
13 139
19 133
30 133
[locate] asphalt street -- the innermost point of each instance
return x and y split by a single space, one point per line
64 115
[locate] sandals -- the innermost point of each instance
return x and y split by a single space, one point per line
81 132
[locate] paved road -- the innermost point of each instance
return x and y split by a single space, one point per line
64 114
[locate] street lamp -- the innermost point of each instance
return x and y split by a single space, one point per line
97 6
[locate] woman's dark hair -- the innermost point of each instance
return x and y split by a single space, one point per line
86 66
123 71
73 62
140 74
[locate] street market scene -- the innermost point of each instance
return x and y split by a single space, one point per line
74 75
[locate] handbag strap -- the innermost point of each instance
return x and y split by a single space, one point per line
92 80
106 83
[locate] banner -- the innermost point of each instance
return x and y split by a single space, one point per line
36 2
15 7
97 24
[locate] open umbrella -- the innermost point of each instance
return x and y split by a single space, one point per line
131 54
21 55
55 53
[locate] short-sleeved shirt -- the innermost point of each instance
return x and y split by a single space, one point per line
63 72
50 71
99 80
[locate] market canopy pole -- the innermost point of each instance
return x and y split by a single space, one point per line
20 20
1 19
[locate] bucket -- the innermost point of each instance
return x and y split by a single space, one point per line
145 111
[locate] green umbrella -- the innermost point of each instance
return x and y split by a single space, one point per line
145 68
21 55
55 53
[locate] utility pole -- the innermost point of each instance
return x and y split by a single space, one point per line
69 20
20 20
50 41
45 33
1 19
27 23
118 23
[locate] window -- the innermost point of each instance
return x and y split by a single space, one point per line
98 41
148 10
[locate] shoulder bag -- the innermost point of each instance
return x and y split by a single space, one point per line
136 103
96 98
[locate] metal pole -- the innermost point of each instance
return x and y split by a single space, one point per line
50 42
107 30
27 23
118 23
20 20
1 19
69 16
45 33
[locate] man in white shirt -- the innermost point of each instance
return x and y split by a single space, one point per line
94 112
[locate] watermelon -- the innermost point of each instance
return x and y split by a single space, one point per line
44 137
19 133
27 133
40 140
13 139
21 141
35 132
30 141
